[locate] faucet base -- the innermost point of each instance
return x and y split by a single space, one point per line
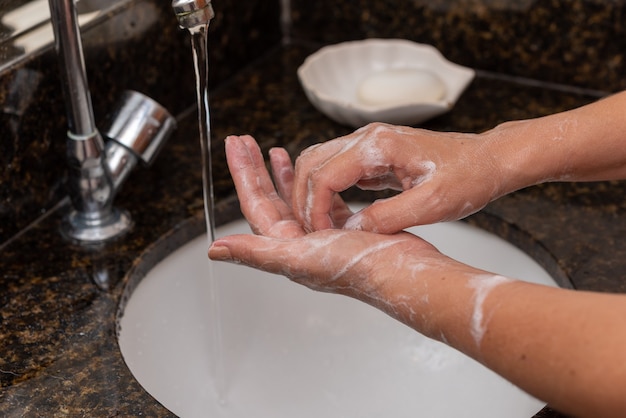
78 228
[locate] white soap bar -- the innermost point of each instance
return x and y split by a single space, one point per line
400 86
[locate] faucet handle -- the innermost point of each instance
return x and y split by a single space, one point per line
136 130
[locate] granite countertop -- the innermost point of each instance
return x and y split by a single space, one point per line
59 302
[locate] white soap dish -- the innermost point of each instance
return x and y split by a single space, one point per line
382 80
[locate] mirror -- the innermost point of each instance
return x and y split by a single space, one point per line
25 27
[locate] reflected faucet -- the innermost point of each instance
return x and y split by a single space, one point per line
136 131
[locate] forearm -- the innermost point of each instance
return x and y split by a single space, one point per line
583 144
564 347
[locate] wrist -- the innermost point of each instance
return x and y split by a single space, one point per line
519 155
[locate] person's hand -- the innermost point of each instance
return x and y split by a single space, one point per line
268 210
442 176
383 270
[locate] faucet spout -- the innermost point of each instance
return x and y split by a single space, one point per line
193 13
97 171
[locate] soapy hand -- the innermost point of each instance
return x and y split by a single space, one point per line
442 176
268 210
364 265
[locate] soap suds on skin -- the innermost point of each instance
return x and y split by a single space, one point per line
310 195
321 249
482 285
309 206
564 127
367 142
429 168
354 222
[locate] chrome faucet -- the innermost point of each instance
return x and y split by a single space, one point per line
136 131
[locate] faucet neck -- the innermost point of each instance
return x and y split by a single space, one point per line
64 20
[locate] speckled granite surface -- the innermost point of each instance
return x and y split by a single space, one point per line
58 302
573 42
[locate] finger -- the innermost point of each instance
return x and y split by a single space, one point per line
283 173
322 172
308 160
290 258
298 258
340 212
337 174
259 201
413 207
249 155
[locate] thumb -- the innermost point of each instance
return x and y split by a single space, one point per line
273 255
243 249
389 216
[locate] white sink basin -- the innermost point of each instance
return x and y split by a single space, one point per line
292 352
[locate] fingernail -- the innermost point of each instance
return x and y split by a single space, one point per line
219 251
354 222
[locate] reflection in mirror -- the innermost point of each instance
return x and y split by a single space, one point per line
25 25
21 15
